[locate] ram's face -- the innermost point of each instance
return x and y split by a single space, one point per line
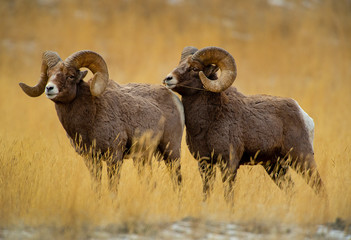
185 79
62 83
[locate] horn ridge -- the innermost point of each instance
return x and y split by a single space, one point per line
51 58
224 60
96 64
187 51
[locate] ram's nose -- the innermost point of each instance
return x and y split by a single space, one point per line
167 79
170 81
51 90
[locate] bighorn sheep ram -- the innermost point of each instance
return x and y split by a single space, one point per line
103 118
225 126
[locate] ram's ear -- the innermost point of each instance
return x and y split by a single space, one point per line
211 71
82 74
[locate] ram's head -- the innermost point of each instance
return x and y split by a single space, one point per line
59 79
197 71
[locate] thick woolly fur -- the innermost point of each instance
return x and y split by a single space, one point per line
106 127
232 129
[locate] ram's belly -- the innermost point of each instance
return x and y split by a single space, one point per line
263 138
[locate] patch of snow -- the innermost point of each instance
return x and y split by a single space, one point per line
333 234
281 3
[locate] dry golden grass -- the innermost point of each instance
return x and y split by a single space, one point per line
297 51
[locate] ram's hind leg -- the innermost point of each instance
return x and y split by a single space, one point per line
171 156
302 154
142 152
114 174
142 163
173 166
142 160
307 168
278 171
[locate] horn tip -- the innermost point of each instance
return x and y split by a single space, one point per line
32 92
23 86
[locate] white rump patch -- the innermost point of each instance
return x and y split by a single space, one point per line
180 107
308 123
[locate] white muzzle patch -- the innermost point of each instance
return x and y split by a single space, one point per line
170 81
51 90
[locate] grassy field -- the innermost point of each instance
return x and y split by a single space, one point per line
298 49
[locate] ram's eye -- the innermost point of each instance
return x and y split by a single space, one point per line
195 69
70 77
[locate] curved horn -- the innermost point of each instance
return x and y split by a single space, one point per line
96 64
49 59
187 51
221 58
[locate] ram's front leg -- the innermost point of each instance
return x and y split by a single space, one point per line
171 156
208 174
91 160
174 168
114 167
94 165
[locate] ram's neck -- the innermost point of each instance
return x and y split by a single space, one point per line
77 117
202 102
200 110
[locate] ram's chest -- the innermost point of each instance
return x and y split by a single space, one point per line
196 120
77 124
198 127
